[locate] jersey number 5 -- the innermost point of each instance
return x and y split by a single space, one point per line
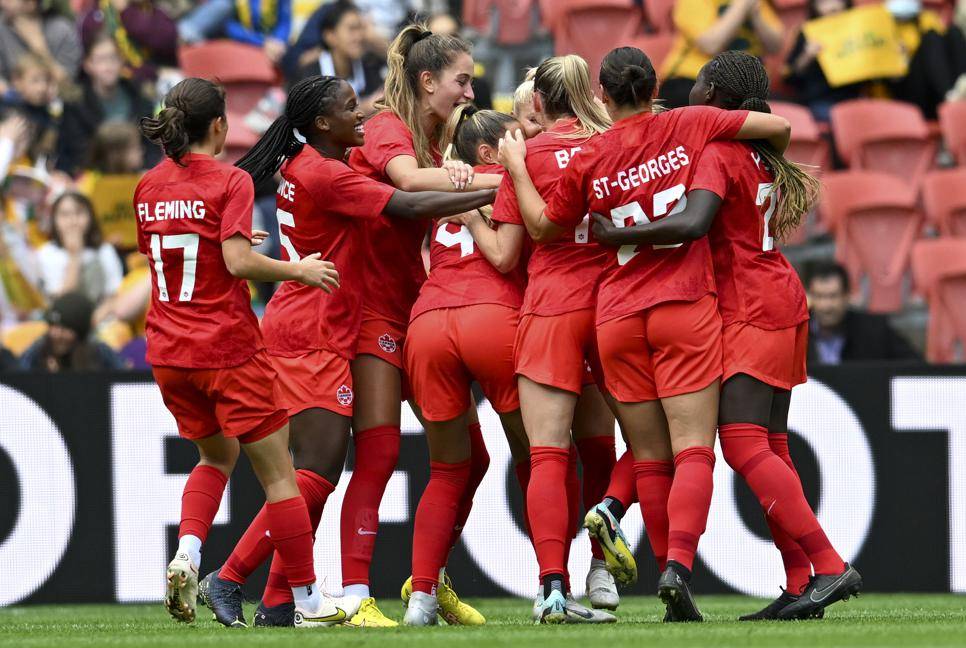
186 242
662 200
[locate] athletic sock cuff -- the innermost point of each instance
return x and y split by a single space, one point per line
378 431
696 454
651 467
741 430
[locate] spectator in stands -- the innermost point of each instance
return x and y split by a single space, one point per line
76 259
333 43
804 73
264 23
30 95
708 27
838 333
67 345
937 55
103 96
145 36
27 29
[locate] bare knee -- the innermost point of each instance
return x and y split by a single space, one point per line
219 453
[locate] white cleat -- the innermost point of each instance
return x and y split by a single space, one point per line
551 610
601 588
331 611
577 613
422 610
181 596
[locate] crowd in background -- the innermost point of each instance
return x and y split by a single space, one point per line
76 76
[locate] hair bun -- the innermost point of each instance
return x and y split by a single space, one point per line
423 35
633 73
755 104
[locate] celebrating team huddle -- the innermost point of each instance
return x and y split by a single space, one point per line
589 259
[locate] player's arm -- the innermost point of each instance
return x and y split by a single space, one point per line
513 155
500 246
406 174
764 126
693 223
245 263
433 204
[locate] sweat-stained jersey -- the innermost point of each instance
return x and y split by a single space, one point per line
638 171
459 274
756 284
322 206
200 315
562 274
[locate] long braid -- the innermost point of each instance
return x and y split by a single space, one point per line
307 99
742 82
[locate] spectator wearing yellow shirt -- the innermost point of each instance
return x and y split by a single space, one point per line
706 28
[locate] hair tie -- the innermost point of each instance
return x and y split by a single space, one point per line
423 34
299 136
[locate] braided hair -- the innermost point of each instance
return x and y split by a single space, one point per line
308 99
742 84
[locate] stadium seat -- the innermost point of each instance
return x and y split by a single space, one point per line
952 121
883 135
591 28
807 145
944 196
515 19
244 70
939 270
19 337
660 15
656 46
875 220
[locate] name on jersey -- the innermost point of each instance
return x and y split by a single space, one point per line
171 210
657 167
286 190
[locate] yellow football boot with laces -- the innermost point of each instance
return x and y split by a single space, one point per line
451 608
370 616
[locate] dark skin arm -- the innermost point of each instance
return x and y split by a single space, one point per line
693 223
435 204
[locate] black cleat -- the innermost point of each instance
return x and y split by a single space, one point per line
224 598
673 589
823 590
280 616
770 611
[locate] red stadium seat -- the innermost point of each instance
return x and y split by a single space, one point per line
660 15
515 19
944 196
875 221
656 46
592 28
244 70
939 270
883 135
807 145
952 121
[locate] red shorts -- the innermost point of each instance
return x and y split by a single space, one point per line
667 350
776 357
448 348
385 340
239 402
557 350
316 379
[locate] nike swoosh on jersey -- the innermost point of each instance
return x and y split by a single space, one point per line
362 531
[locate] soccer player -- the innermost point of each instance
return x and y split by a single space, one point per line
194 219
744 197
558 308
658 328
429 76
311 336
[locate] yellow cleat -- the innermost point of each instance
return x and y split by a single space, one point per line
370 616
407 591
451 608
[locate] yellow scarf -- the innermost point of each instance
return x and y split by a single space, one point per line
132 54
267 19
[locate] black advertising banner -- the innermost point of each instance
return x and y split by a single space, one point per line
91 473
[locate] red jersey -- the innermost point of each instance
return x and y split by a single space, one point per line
200 315
756 284
323 206
394 264
638 171
459 274
562 274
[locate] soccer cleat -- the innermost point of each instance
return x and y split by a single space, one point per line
421 610
181 596
370 616
577 613
278 616
601 589
676 594
331 611
224 598
770 611
605 528
451 608
823 590
551 610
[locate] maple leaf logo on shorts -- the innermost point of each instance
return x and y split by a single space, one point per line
387 343
344 395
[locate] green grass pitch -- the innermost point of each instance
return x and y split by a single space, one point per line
874 620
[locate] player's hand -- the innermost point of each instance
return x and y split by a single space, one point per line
604 229
313 271
513 150
460 173
258 237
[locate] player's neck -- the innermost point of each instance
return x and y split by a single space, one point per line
202 148
624 112
329 149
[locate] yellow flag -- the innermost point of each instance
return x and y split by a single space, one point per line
858 45
111 196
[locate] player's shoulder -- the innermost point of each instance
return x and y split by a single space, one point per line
386 121
309 165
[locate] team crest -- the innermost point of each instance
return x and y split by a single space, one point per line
344 395
387 343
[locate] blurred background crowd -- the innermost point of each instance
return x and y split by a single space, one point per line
883 258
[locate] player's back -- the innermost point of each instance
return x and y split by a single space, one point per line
200 315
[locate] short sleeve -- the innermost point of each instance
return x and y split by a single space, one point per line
711 172
386 138
693 17
236 214
350 194
568 205
706 123
505 208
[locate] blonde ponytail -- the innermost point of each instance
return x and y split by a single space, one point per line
564 86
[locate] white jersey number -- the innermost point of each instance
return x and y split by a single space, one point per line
186 242
633 210
288 219
462 237
766 192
